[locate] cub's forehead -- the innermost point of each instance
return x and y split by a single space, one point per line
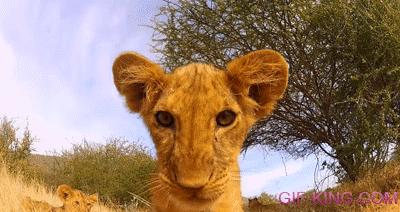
196 86
198 77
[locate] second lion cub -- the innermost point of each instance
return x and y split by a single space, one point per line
73 201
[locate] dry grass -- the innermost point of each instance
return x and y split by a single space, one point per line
386 180
386 208
13 189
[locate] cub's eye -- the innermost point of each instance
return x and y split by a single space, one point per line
76 202
164 118
225 118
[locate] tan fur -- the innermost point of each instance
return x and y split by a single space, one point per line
197 159
73 201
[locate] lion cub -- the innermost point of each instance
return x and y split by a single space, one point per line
198 116
73 201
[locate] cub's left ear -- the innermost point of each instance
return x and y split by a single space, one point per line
261 76
138 79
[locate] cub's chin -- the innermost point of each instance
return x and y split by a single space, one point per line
195 199
198 200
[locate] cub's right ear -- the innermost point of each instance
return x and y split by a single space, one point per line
138 79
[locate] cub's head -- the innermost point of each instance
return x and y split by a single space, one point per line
198 115
75 200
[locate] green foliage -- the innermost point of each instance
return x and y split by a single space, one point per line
15 151
343 96
114 170
267 199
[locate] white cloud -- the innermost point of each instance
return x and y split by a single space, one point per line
255 183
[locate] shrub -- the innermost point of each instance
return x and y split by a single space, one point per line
15 151
267 199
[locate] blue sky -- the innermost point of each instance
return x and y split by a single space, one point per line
55 75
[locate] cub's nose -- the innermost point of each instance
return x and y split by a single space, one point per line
191 176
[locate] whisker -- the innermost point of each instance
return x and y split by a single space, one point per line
152 188
145 187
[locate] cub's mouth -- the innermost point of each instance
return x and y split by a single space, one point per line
206 194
